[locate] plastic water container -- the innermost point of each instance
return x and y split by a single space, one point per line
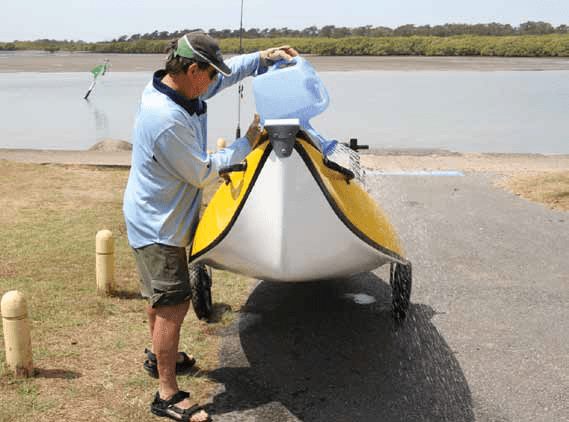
290 92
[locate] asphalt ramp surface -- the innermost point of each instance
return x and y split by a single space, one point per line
486 337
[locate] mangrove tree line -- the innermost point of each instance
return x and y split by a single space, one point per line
531 39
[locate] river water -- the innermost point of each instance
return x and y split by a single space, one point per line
463 111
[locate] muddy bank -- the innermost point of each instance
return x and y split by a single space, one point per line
78 62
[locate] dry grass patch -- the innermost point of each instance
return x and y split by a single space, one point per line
87 349
551 189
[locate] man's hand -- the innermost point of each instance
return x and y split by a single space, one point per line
271 55
254 132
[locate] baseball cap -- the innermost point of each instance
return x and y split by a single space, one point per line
201 47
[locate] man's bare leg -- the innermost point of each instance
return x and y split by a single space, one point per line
165 324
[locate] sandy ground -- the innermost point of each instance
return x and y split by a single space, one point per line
504 164
501 164
379 160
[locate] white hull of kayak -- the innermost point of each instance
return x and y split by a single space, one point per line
286 230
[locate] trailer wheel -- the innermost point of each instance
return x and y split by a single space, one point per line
401 281
200 282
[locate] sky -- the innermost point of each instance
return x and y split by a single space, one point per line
104 20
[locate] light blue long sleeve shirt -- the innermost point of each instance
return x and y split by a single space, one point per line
170 163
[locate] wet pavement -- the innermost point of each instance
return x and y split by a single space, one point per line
486 338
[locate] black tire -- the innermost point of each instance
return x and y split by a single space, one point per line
401 282
200 281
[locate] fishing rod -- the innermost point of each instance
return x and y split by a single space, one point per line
240 88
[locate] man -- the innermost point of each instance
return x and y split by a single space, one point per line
170 167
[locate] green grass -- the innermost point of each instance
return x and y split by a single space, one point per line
87 349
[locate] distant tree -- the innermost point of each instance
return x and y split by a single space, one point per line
225 33
536 28
381 31
500 29
327 31
362 31
440 31
404 30
342 32
311 31
423 30
251 33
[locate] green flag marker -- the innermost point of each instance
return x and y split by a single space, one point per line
96 71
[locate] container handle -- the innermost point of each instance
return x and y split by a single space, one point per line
282 63
320 91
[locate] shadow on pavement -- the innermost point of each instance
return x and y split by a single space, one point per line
325 357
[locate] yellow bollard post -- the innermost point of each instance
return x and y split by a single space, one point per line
220 143
105 264
17 338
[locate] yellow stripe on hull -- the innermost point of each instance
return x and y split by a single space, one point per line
358 207
225 202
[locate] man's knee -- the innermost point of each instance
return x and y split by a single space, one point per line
175 313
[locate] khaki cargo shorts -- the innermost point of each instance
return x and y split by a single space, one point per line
164 276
